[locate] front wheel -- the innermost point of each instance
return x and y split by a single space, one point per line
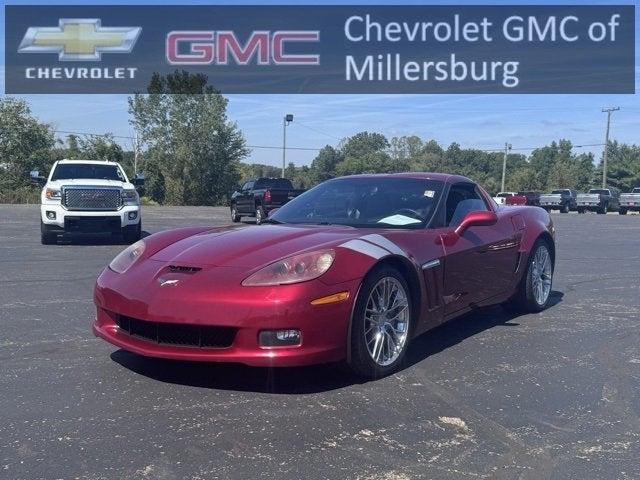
132 233
381 324
235 217
259 215
46 237
565 209
534 289
580 210
622 211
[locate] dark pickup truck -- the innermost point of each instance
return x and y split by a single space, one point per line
563 199
600 200
258 197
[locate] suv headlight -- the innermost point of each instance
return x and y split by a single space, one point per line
127 257
295 269
52 193
129 196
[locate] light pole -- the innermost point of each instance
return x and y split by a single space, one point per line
507 147
288 118
608 111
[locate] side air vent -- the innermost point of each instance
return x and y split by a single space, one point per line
183 269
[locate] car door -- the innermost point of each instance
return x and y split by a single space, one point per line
244 198
481 263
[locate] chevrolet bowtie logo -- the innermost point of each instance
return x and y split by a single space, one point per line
79 39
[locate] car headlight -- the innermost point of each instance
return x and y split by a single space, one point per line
129 196
127 257
295 269
52 193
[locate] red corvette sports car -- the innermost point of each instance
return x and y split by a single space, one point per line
351 270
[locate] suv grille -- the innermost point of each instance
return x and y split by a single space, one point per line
200 336
92 198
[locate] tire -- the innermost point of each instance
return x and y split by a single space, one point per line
603 209
565 209
132 233
580 210
528 298
622 211
235 217
373 332
46 237
260 216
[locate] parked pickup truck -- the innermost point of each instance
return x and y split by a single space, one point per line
563 199
258 197
84 196
524 198
501 197
630 202
601 200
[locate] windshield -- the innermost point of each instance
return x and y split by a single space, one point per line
71 171
599 190
505 195
636 190
556 192
383 202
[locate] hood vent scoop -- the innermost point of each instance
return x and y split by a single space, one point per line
183 269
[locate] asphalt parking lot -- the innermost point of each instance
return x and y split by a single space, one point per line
492 395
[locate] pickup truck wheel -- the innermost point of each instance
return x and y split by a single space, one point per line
534 289
259 215
622 211
580 210
565 209
46 237
235 217
132 233
602 210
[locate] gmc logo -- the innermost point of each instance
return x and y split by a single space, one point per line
221 47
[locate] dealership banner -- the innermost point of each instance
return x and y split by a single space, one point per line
323 49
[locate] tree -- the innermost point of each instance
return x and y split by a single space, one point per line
25 144
365 153
323 167
196 149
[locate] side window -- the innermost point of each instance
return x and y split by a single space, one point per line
247 186
462 199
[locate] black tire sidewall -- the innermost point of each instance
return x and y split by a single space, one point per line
530 302
361 362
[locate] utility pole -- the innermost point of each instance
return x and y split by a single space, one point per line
288 118
507 147
608 111
136 147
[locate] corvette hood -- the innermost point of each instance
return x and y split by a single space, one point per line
252 246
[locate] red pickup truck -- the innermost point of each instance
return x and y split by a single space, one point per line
524 198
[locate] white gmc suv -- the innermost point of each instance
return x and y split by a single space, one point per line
85 196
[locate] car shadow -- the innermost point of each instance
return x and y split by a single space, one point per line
317 378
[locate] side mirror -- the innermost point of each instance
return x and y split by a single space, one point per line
138 180
36 177
476 219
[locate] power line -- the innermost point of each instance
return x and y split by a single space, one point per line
313 129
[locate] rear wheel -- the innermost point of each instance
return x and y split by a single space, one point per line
535 287
603 209
622 211
381 324
565 208
580 210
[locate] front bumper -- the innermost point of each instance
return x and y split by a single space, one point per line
216 298
61 222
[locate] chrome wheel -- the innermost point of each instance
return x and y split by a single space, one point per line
541 274
386 322
258 216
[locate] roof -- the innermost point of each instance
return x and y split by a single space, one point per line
442 177
96 162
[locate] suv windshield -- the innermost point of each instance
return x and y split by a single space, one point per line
71 171
382 202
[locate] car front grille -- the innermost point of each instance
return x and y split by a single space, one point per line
177 334
92 198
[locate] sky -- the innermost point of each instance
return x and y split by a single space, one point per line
474 121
